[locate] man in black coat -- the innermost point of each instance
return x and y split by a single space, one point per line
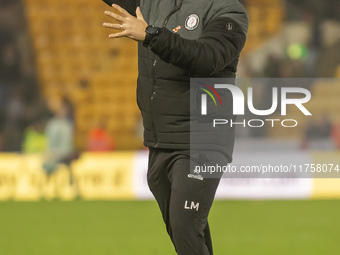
179 40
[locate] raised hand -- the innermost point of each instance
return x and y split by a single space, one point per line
130 26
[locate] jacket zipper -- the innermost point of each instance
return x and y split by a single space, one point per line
154 65
153 94
172 12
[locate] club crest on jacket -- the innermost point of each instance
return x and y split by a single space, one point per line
192 22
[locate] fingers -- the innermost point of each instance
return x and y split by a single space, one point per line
139 14
112 25
125 19
118 35
121 10
114 15
140 17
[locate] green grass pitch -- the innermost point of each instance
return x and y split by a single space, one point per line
135 228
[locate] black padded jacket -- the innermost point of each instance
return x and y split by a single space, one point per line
198 38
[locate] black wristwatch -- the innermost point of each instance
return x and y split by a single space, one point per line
151 32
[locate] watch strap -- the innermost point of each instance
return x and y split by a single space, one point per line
149 36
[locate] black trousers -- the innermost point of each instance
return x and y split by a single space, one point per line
184 201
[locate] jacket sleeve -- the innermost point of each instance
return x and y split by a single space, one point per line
129 5
219 44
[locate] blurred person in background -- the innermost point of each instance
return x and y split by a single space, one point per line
60 147
35 139
336 133
99 139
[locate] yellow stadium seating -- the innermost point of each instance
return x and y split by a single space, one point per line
265 20
72 46
324 103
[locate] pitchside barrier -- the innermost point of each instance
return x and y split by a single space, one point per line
122 176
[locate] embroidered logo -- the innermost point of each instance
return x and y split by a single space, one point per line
191 206
230 26
193 176
192 22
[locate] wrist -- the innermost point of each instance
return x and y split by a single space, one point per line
143 36
150 33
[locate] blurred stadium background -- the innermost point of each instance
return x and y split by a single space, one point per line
59 70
